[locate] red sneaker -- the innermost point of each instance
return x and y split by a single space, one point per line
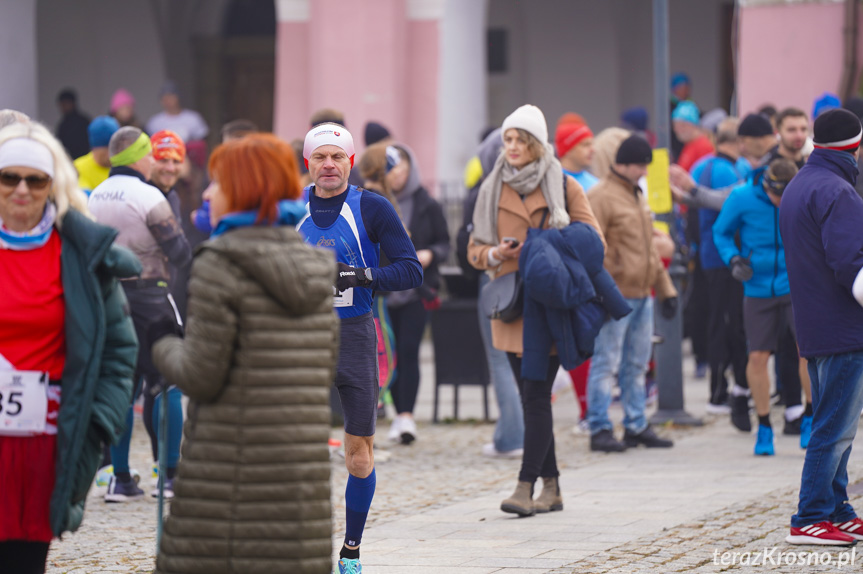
853 528
822 534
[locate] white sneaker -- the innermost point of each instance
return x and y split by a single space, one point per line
582 428
713 409
491 452
408 430
395 434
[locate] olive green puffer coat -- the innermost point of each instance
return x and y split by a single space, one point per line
257 362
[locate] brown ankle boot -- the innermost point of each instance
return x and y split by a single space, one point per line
550 498
521 501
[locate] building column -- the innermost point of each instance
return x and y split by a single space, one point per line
462 106
18 90
292 97
349 56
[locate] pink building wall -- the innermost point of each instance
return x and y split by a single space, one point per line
291 115
368 60
789 54
421 131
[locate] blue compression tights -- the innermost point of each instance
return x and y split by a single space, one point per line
120 451
358 499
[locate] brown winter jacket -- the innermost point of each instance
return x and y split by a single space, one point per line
514 218
253 485
630 258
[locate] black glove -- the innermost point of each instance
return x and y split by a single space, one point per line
162 328
350 277
740 268
669 307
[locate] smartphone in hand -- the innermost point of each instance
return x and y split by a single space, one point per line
513 242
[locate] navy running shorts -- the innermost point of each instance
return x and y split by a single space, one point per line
357 374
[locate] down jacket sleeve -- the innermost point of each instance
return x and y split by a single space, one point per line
199 364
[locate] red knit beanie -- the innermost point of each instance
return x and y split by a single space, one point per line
568 135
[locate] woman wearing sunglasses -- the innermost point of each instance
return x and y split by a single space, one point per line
67 345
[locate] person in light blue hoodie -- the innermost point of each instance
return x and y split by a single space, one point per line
759 262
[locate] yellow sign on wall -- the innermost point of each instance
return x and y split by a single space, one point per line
658 189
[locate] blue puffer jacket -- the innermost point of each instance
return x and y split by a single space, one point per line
568 295
749 210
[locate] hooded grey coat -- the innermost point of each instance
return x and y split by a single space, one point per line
253 486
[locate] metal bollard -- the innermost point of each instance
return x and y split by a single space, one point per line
669 361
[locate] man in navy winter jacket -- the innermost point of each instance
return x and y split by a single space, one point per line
820 220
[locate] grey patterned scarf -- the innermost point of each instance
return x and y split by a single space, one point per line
546 172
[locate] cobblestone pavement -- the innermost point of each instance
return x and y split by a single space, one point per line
441 489
744 537
442 468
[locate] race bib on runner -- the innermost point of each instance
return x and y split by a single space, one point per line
343 298
23 402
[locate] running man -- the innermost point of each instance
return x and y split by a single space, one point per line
355 225
147 226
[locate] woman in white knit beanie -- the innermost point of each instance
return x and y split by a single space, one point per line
526 188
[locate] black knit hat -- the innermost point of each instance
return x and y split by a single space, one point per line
837 129
375 132
634 149
756 126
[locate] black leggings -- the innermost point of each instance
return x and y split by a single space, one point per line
409 323
23 557
538 458
727 337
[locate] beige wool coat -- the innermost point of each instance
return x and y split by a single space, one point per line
514 218
258 358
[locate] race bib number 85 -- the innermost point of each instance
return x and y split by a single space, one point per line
23 402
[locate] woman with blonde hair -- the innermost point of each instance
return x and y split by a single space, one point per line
67 345
526 189
252 492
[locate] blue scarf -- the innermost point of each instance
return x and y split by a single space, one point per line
290 213
33 239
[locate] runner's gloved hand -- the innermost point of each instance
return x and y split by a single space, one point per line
350 277
741 269
669 307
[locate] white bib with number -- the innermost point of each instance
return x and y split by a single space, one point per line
23 402
343 298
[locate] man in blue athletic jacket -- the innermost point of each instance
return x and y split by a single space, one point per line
752 210
355 225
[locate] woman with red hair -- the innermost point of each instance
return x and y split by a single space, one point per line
252 492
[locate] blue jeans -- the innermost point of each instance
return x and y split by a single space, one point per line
509 431
622 351
837 398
